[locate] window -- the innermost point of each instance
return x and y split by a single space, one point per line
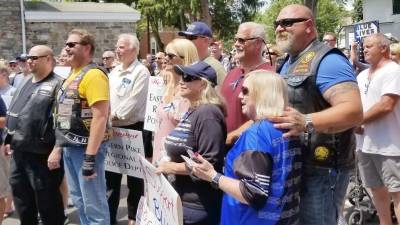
396 7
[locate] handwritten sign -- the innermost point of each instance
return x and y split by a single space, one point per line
154 96
362 30
124 150
162 205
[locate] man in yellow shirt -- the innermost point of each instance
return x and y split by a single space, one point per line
82 113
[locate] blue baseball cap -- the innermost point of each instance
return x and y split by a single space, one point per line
198 69
197 29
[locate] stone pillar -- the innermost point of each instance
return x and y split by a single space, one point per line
10 32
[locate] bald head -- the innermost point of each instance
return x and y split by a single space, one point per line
42 50
295 28
296 11
40 61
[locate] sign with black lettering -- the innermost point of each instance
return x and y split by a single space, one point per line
154 96
124 150
162 204
362 30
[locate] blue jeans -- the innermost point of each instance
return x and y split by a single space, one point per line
89 196
322 196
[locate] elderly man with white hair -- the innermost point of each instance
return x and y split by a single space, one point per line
128 92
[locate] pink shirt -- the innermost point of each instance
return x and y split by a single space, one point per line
168 117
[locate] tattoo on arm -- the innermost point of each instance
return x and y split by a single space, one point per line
338 89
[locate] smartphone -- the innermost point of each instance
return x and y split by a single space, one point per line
188 161
192 156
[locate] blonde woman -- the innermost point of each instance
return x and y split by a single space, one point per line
172 107
262 172
395 52
201 130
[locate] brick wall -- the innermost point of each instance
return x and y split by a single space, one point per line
10 31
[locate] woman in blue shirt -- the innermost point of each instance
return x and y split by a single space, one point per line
261 179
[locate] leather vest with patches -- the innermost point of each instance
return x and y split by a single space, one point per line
321 150
73 115
34 130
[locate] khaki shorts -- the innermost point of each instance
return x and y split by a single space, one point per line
4 175
379 170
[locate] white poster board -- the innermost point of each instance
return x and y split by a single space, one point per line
62 71
162 205
123 152
154 96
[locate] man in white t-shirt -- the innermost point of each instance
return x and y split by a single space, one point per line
379 158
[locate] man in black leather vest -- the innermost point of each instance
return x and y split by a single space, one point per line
30 135
325 105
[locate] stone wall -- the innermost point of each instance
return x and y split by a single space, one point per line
55 34
10 31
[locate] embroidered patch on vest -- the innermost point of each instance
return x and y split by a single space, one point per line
305 63
321 153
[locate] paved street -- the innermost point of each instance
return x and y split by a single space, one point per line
73 214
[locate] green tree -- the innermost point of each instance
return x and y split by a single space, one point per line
357 10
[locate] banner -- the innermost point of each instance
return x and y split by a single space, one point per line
362 30
123 152
162 205
154 96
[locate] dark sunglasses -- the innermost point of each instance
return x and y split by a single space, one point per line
188 78
243 41
108 57
172 55
288 22
34 57
72 44
244 90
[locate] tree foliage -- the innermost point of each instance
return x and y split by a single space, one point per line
357 10
329 15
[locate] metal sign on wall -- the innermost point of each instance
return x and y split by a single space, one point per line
362 30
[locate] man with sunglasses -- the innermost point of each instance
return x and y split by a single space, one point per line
35 179
160 56
249 45
81 117
108 60
201 36
325 106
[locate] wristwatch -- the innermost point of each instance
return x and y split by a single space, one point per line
215 180
309 124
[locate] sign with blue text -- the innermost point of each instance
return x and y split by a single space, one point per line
362 30
162 204
154 96
123 152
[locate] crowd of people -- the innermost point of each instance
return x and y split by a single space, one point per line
273 131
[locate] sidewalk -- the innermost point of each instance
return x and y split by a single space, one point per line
73 214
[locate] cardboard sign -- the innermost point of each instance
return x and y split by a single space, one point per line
154 96
124 151
162 205
62 71
362 30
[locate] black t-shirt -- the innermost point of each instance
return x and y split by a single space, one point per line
3 113
201 130
23 97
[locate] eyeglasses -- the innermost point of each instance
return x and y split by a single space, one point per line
107 57
244 90
172 55
288 22
72 44
243 41
189 78
34 57
159 58
12 65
